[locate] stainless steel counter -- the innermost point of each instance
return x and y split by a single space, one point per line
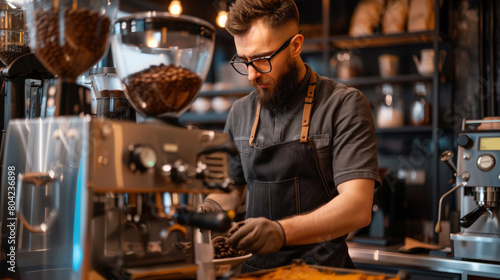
388 256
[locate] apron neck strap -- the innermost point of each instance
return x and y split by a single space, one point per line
306 114
255 124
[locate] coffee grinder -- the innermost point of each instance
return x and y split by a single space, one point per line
110 199
22 74
69 37
14 43
478 179
162 61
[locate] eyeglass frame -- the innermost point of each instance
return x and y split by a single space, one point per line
268 58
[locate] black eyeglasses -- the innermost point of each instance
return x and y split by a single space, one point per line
261 64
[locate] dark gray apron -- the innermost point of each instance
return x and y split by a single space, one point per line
284 180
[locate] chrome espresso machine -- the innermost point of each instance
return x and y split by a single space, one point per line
95 198
478 179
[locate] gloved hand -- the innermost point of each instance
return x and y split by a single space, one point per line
257 236
211 206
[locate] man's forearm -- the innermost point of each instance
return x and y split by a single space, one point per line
231 200
347 212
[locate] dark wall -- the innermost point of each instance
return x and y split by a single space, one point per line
476 35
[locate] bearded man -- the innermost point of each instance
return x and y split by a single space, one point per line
307 147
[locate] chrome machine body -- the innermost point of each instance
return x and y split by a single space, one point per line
478 171
101 199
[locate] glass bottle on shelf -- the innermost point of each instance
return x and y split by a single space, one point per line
420 109
390 109
348 65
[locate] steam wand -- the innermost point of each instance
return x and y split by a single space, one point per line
438 228
446 157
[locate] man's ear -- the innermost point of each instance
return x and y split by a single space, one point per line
296 45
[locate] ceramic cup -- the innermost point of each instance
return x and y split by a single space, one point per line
388 65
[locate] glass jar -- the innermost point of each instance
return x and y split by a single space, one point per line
390 109
348 65
420 108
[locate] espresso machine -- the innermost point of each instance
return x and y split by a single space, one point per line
478 181
101 198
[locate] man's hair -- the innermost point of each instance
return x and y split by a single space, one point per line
243 13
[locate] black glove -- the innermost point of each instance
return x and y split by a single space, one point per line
257 236
211 206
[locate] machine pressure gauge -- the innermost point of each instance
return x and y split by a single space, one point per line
142 158
485 162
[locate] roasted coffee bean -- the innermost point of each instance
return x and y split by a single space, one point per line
11 52
223 250
85 40
162 89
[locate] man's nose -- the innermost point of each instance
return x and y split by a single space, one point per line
252 73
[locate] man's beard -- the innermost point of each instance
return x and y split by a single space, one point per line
274 99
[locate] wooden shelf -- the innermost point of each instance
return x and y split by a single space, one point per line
375 80
312 45
348 42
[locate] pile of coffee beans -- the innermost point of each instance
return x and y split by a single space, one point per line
85 40
223 250
162 89
12 52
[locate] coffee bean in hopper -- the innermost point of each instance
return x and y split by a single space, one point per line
12 52
162 89
85 40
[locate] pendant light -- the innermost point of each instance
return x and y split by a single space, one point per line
175 7
222 15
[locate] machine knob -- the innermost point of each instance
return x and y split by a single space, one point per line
142 158
465 141
179 172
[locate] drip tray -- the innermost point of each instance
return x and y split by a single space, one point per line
476 246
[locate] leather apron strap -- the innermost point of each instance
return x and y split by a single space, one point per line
306 113
255 124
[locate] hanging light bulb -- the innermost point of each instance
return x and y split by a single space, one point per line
221 19
222 15
175 7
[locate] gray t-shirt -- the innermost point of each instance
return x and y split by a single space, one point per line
341 124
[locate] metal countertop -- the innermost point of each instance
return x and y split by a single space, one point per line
390 256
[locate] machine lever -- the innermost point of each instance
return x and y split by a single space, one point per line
467 220
447 158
